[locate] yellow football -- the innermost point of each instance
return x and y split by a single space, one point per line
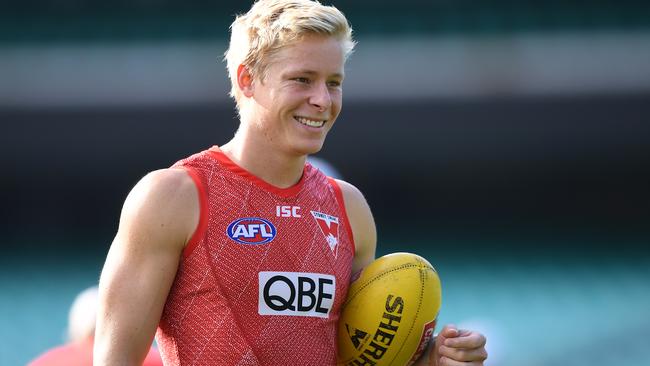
390 313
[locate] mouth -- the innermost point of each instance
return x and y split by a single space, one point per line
317 123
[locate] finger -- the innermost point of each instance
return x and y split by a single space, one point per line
449 331
445 361
466 339
462 354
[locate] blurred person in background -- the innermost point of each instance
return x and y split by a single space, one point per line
204 247
78 350
324 166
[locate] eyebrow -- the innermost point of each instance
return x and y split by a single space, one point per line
311 72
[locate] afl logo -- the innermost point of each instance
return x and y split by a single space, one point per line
251 230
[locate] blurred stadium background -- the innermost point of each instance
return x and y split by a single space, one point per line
506 141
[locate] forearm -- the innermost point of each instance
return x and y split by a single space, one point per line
425 359
132 294
107 353
126 321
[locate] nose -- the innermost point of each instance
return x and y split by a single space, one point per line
321 98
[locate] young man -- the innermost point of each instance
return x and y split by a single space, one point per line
242 254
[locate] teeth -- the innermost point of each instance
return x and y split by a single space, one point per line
310 122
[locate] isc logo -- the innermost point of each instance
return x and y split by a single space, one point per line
296 294
251 230
287 211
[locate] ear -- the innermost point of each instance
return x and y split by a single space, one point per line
245 81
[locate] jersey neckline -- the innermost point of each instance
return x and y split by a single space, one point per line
216 153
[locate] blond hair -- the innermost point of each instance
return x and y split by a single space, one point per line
271 25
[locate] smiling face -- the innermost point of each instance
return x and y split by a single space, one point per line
294 106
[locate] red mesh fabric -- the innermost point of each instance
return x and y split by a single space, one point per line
211 315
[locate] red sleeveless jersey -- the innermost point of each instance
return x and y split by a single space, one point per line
263 278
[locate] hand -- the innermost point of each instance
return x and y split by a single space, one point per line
458 347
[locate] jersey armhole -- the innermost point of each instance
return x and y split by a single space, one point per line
199 232
341 201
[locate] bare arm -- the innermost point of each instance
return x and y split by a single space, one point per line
362 223
454 347
158 218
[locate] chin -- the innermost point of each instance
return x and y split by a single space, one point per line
308 149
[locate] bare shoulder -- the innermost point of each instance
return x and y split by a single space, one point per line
362 223
167 186
356 206
349 191
165 202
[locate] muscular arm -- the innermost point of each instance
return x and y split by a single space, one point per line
158 218
364 231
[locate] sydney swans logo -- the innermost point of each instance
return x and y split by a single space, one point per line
329 226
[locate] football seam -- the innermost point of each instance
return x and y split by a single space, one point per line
417 314
378 276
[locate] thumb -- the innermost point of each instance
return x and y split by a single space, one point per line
448 331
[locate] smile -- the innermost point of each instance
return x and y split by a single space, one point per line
310 122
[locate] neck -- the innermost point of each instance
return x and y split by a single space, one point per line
277 168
